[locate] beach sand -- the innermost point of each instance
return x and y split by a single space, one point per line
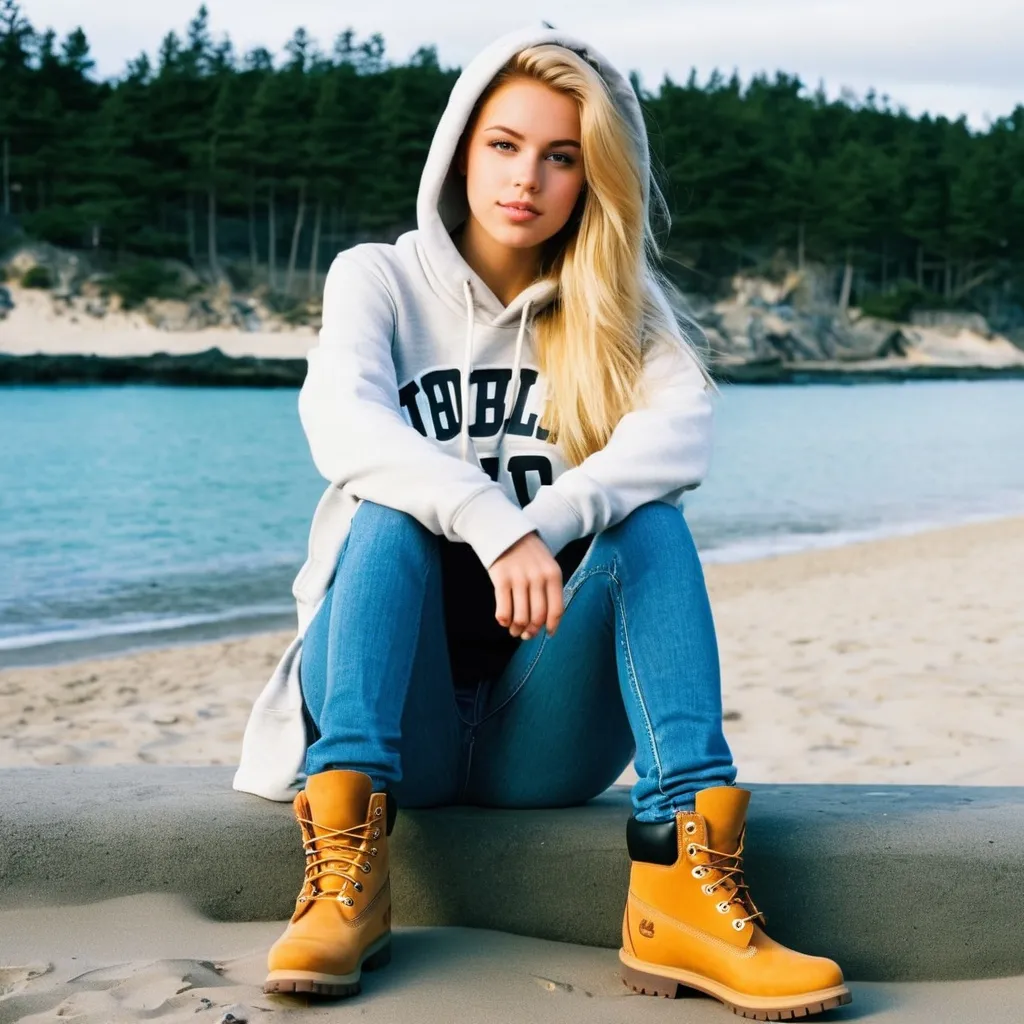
39 325
151 958
891 661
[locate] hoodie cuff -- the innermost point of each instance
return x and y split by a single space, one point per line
490 523
554 519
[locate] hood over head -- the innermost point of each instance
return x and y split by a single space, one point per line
441 203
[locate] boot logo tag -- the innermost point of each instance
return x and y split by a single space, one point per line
647 929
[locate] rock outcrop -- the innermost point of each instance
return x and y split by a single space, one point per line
788 330
791 330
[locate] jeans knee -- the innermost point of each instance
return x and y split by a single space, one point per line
648 535
393 532
653 516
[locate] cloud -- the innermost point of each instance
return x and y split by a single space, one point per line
945 56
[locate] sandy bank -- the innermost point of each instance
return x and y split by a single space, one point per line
107 962
889 661
37 325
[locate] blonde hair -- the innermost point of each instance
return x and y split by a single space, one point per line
613 302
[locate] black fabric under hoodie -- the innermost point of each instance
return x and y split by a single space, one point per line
478 646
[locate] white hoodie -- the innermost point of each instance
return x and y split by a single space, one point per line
411 336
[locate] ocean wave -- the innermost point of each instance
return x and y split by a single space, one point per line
787 542
99 630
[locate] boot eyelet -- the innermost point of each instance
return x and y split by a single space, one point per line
691 850
373 851
723 907
376 834
377 812
707 890
738 924
358 886
366 868
690 827
697 872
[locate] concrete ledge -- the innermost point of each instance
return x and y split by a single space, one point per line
896 883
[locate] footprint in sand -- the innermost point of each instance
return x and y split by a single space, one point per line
14 979
173 990
150 986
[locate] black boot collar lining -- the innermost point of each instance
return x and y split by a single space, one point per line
654 842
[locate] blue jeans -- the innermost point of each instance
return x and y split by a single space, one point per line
632 669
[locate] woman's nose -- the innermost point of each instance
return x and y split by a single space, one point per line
527 174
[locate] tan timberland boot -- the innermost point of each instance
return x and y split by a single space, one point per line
342 919
690 920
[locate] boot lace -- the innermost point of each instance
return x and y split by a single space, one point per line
336 852
730 865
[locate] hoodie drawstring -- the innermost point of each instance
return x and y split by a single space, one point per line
513 392
467 363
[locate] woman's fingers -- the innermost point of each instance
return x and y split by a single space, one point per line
527 588
520 605
503 604
555 603
538 606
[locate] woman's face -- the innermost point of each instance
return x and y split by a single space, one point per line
524 148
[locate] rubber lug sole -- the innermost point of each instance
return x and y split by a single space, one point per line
790 1008
333 985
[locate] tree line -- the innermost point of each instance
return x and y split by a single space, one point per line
248 164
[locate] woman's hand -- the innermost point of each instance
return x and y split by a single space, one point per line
527 588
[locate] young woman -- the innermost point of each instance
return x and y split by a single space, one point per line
502 603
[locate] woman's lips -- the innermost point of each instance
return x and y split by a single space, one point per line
514 213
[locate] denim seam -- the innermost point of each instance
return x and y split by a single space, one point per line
634 680
519 685
434 565
476 704
472 727
571 593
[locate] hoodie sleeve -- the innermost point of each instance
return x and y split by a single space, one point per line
361 442
655 453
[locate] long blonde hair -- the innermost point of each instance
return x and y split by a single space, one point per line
591 340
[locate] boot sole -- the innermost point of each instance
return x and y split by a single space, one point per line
636 974
315 983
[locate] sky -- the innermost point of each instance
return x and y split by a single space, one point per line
942 56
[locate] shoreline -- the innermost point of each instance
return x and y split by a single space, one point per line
156 636
214 367
889 661
46 341
115 645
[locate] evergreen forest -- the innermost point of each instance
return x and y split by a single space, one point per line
262 167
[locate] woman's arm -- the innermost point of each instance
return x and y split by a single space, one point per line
655 453
359 439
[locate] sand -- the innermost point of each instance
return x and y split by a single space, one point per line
891 661
150 958
896 661
38 325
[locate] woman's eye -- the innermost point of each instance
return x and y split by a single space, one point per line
560 158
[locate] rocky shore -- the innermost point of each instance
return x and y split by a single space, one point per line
213 368
75 331
210 368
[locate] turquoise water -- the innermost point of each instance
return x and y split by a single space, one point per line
136 515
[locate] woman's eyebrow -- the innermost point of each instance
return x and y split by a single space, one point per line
510 131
